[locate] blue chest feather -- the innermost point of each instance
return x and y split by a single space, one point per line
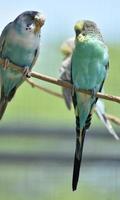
20 48
19 55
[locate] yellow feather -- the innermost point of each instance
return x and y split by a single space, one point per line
79 25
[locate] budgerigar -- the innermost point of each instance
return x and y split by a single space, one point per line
65 75
19 44
89 65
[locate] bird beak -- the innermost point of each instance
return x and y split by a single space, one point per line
39 22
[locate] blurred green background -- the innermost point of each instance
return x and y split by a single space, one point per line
35 104
37 136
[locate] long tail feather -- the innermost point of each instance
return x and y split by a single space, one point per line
78 158
3 105
5 99
100 111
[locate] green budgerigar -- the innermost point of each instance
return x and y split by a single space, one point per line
67 48
89 65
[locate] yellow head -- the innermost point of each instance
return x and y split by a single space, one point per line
86 28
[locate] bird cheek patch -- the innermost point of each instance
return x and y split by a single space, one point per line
30 28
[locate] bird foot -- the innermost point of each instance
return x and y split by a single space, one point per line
27 72
73 90
6 63
93 92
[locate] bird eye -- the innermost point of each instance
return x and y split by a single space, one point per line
32 17
78 31
83 34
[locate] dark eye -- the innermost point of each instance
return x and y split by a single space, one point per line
83 34
32 17
77 31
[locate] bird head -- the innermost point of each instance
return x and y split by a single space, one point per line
67 47
86 28
30 21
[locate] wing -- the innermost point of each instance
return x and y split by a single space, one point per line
65 70
36 54
4 36
65 75
2 42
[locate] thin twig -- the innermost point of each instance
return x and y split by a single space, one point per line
69 85
64 83
44 89
112 118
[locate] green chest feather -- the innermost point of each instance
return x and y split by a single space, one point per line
88 64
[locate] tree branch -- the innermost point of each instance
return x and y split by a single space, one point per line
63 83
112 118
44 89
69 85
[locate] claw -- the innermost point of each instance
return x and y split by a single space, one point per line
6 63
73 90
93 92
27 72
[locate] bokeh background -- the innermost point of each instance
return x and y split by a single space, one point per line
37 136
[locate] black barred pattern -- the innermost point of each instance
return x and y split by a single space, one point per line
88 121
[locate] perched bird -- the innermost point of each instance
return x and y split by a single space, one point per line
67 48
19 44
89 65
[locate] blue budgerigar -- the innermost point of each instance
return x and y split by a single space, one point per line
19 44
89 65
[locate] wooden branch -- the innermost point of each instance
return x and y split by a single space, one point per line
44 89
63 83
69 85
112 118
66 85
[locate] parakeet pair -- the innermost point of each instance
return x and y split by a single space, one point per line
19 44
88 66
